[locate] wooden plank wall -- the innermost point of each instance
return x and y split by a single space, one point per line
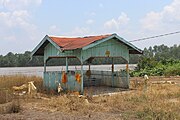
98 78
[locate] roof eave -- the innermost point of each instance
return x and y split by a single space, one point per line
46 38
135 52
135 49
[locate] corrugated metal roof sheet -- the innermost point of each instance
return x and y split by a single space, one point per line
75 43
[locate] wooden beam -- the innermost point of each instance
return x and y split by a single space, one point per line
112 72
45 66
127 72
89 66
66 64
82 87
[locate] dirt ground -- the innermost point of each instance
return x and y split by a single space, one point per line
35 108
36 114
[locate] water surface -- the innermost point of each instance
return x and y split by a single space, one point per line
38 71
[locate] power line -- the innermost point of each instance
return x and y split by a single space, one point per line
162 35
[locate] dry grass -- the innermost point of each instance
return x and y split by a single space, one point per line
159 102
6 93
6 82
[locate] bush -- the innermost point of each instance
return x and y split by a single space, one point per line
173 70
165 67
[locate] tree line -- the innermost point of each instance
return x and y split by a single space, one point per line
159 61
20 60
152 54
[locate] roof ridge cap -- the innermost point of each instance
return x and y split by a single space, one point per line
63 36
81 36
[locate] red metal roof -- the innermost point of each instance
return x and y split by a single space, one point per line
75 43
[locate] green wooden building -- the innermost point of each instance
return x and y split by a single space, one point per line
85 49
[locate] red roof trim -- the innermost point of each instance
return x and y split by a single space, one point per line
76 43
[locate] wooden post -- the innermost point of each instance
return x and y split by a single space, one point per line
44 74
89 66
127 72
66 64
112 72
112 65
81 75
89 81
127 67
45 66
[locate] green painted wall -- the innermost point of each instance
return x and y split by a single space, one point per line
53 78
115 48
50 51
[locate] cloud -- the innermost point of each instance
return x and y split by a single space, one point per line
16 19
92 14
16 24
90 21
54 30
101 5
168 18
19 4
122 20
79 31
13 19
17 33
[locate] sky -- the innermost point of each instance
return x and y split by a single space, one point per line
24 23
